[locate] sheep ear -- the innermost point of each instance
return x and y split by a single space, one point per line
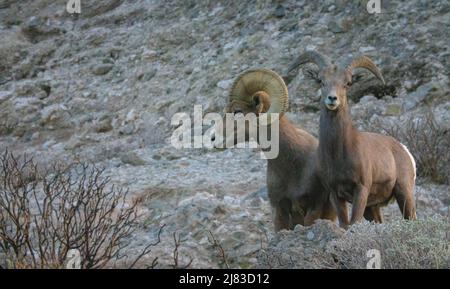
257 103
261 102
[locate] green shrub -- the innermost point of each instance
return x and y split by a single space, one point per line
402 244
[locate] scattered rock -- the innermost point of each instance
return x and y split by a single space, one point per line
92 8
418 96
225 84
102 69
261 193
280 11
39 28
133 159
147 76
97 36
103 126
12 42
304 247
156 157
127 129
4 95
366 49
335 27
54 116
367 99
149 54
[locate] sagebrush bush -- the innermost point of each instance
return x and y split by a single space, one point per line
427 141
402 244
46 214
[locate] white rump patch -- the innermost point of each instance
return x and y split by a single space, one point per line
412 159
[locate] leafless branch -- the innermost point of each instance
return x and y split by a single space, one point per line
177 242
147 250
221 252
44 214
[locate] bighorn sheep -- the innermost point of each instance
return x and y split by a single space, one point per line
294 188
366 169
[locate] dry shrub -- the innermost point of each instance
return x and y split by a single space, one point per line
427 141
43 215
402 244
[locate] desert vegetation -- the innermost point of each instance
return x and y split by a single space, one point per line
400 244
86 103
45 213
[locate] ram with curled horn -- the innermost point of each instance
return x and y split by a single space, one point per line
294 190
363 168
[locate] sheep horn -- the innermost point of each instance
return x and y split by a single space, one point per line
254 80
367 63
310 56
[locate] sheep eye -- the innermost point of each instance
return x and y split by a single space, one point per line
349 84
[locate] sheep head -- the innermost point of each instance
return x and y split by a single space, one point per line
254 92
336 79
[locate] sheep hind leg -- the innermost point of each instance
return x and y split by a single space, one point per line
405 200
368 214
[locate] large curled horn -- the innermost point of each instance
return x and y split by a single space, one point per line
310 56
365 62
268 81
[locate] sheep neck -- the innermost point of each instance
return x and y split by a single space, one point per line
336 135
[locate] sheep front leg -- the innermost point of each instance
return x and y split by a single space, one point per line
377 214
341 209
281 219
359 203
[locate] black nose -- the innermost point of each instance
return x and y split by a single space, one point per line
332 98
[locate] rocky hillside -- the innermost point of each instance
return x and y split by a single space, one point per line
103 85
